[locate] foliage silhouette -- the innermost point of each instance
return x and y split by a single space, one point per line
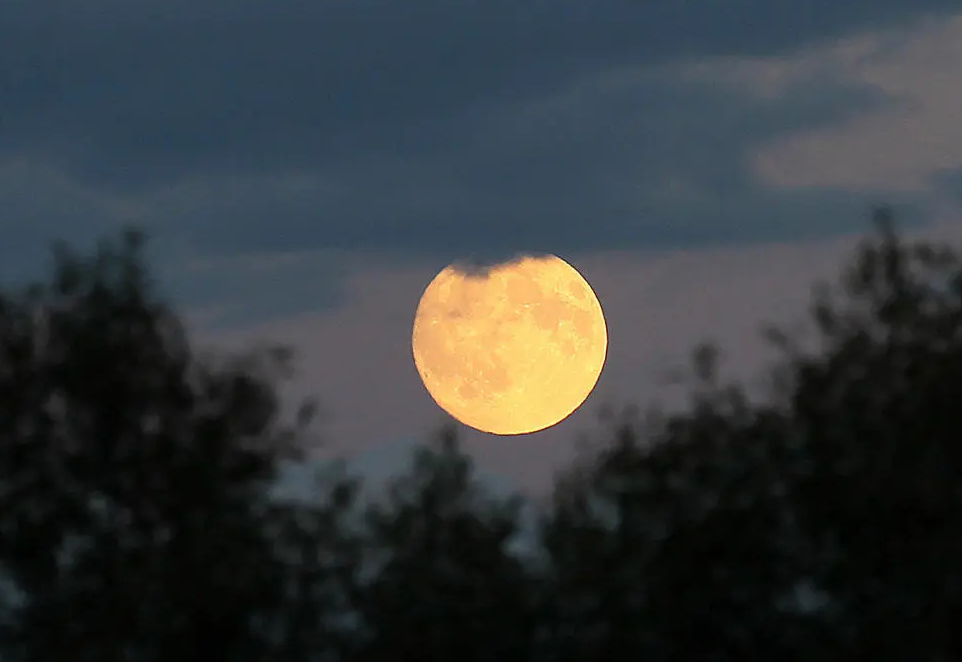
824 524
880 408
134 518
446 586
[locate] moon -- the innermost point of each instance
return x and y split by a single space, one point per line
513 350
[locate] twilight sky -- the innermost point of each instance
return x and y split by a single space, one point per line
304 169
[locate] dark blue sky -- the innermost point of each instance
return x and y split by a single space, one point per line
285 155
420 126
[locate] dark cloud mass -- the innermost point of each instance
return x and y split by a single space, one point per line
612 165
132 94
949 181
458 129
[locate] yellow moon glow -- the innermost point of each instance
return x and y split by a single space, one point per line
513 350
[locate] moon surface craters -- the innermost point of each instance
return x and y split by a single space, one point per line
513 350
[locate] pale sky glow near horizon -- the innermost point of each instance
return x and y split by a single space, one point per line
304 170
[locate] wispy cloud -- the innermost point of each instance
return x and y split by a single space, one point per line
900 146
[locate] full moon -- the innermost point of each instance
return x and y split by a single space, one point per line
512 350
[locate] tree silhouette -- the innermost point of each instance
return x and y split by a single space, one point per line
135 522
822 525
675 541
445 586
880 408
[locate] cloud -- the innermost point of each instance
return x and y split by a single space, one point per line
278 133
132 95
632 156
235 291
898 146
36 200
653 158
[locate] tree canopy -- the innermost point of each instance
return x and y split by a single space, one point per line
824 523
